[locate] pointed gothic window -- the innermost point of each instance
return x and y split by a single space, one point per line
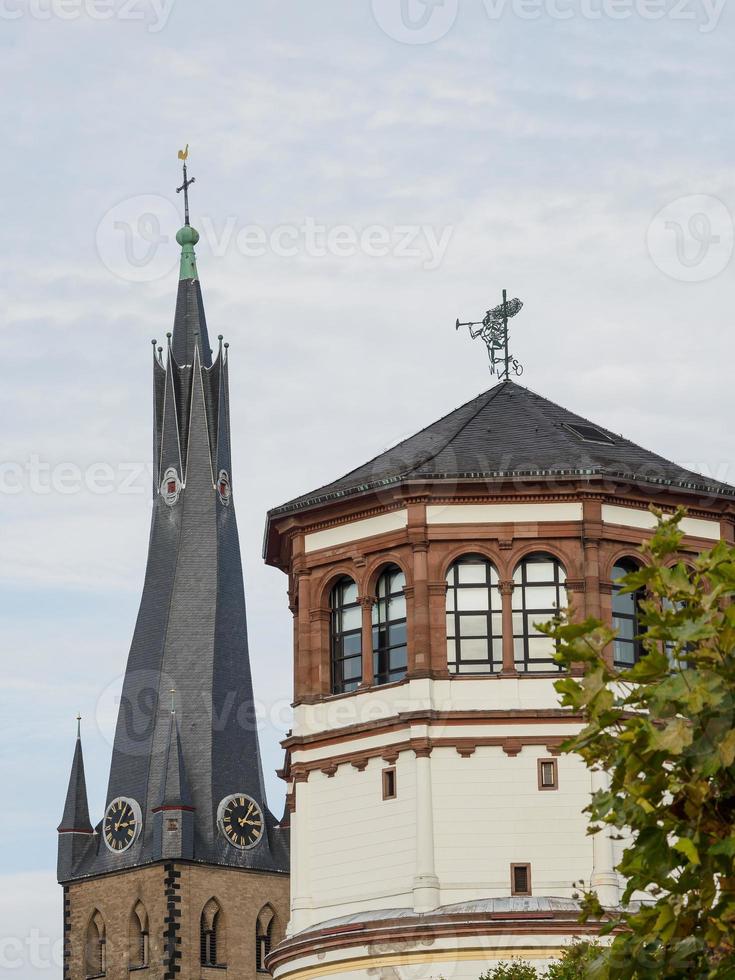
263 937
474 617
95 959
139 953
539 593
211 935
628 647
390 656
346 637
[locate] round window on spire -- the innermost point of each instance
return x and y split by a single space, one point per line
224 490
170 486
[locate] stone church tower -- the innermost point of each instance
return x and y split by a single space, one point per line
186 875
436 826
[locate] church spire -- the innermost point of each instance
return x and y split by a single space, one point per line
175 771
75 828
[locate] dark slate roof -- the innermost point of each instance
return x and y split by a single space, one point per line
76 809
191 631
174 784
506 432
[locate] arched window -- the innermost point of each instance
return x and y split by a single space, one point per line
95 957
474 618
346 637
138 950
390 658
539 593
628 648
211 934
263 937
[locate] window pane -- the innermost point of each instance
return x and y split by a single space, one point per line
517 600
474 649
352 618
398 658
352 644
450 600
397 635
541 647
353 668
398 581
470 572
624 603
539 571
541 597
473 599
473 625
450 625
625 628
497 624
624 653
480 668
349 592
397 608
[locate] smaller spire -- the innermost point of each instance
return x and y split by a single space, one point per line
172 692
76 809
174 784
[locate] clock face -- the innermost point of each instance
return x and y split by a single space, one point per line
241 821
122 824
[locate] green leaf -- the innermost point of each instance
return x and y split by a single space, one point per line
687 847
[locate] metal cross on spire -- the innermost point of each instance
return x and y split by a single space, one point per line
493 328
183 155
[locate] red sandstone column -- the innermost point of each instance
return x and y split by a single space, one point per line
506 592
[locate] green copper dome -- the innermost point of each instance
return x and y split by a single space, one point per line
187 237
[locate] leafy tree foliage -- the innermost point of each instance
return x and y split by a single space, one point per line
572 965
664 731
514 970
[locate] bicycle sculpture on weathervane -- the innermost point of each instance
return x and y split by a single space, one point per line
493 328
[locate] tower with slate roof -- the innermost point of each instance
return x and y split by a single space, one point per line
436 828
186 873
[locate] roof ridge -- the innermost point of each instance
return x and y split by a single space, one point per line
486 397
483 395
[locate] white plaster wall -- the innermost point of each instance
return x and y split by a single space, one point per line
356 530
361 847
502 513
645 520
483 694
489 813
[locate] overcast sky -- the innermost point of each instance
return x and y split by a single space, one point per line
365 173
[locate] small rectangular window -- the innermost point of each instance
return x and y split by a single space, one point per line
548 777
520 879
389 784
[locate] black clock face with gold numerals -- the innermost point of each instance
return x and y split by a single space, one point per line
241 821
122 823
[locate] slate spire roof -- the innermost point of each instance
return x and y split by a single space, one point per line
175 792
76 809
511 432
191 630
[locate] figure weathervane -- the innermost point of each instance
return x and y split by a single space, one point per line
493 328
183 155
